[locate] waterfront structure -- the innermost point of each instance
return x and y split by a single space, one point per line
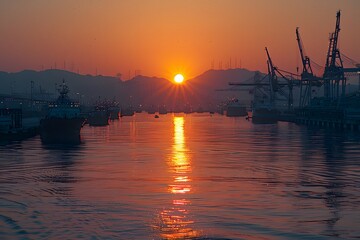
334 109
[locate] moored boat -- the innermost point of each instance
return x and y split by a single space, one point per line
63 121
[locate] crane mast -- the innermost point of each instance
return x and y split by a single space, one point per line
272 75
333 79
333 51
307 71
307 76
274 83
334 73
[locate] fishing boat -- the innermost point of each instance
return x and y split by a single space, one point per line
63 121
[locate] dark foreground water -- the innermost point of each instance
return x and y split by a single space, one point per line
184 177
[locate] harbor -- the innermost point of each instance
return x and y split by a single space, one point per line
335 109
180 120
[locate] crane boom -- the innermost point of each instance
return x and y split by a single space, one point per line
272 75
333 49
307 70
334 70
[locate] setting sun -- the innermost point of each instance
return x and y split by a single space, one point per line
179 78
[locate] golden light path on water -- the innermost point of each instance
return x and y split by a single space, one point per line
175 220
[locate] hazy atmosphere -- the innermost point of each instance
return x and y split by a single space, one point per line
160 38
179 119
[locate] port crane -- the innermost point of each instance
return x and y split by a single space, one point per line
308 79
275 85
334 72
271 88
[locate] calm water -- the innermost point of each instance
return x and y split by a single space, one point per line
183 177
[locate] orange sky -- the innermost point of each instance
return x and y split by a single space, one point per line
161 37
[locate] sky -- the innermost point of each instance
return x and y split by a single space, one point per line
161 37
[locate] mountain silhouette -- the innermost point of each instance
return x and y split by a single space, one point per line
201 91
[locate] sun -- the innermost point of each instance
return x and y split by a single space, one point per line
179 78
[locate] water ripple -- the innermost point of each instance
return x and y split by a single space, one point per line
183 177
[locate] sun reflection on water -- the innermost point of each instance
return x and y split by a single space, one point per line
175 222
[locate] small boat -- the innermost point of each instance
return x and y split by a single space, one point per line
63 121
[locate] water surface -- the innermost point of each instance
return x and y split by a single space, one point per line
183 177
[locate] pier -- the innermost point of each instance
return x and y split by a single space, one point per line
349 119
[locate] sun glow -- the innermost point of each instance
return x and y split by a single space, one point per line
179 78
